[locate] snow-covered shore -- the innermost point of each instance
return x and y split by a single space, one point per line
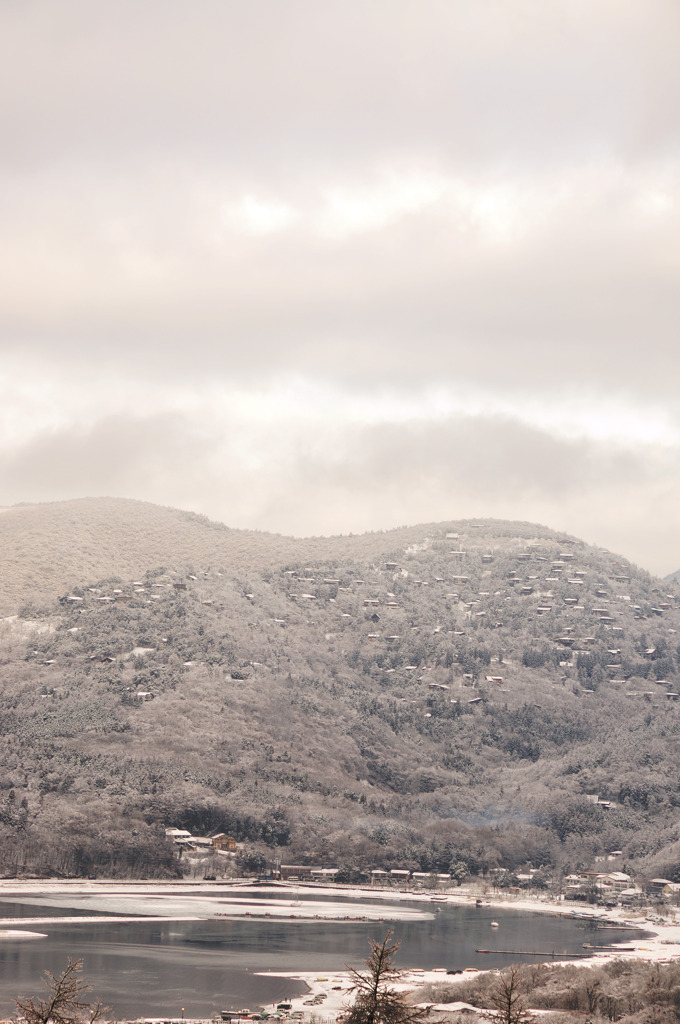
189 901
200 900
661 945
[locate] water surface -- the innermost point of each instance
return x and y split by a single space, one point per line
156 968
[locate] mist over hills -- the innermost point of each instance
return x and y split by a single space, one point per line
45 548
446 696
48 547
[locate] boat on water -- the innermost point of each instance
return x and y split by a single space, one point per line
494 924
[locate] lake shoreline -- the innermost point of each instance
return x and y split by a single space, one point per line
660 944
244 901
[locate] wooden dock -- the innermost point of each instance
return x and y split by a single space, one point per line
533 952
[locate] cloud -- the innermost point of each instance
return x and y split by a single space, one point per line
504 283
293 245
319 473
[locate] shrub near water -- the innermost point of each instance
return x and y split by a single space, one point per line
621 990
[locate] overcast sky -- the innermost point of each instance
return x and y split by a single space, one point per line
321 266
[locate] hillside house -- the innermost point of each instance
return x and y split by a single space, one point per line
657 885
295 872
201 842
617 880
324 874
221 841
589 877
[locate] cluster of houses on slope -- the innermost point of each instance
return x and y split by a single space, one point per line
619 886
379 877
614 885
562 571
219 841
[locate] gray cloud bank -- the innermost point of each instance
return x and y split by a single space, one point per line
476 201
318 480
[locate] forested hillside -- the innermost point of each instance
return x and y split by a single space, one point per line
449 697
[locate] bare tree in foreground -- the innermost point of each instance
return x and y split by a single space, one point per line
507 998
375 1002
64 1005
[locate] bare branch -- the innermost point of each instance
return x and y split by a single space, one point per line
375 1002
64 1005
507 998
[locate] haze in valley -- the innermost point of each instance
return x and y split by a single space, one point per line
317 268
